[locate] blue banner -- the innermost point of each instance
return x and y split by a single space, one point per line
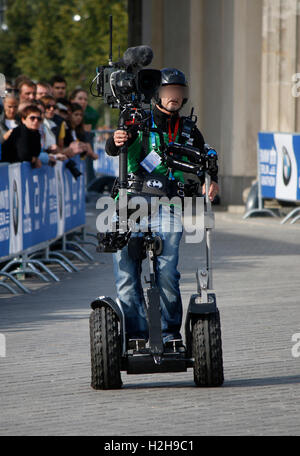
39 208
105 164
38 205
74 202
279 165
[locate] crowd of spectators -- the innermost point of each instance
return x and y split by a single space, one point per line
40 124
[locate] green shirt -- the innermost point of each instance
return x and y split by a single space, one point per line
91 117
135 156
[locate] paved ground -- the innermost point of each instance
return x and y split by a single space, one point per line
45 376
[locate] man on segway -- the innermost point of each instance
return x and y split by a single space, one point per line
144 162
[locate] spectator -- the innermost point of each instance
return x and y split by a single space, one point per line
10 90
27 91
90 121
8 122
91 116
49 128
20 79
51 124
24 143
59 87
50 151
58 129
76 133
42 90
62 108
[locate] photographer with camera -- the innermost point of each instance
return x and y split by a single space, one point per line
142 148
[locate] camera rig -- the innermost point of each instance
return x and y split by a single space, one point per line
129 87
126 82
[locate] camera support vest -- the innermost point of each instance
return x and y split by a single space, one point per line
136 154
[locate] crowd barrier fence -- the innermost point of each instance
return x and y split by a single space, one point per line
42 221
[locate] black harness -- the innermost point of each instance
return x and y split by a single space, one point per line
151 184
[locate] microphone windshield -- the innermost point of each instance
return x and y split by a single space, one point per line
139 56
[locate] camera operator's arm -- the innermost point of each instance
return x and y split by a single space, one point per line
118 140
214 187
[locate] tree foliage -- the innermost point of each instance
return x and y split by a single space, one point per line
43 39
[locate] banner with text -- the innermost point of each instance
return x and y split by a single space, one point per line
279 162
38 205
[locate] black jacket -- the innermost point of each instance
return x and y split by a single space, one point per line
22 145
161 121
3 130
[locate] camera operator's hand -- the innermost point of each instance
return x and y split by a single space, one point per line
120 137
213 190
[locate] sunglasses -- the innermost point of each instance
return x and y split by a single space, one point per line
32 118
9 90
49 106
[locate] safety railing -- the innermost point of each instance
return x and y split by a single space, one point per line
42 222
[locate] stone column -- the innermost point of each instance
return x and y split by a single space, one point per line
240 79
280 54
196 58
158 32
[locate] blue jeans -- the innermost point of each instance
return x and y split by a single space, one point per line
129 287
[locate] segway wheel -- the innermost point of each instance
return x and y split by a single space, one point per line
105 349
207 350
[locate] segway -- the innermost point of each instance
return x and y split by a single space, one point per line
112 352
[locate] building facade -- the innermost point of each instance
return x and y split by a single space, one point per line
241 58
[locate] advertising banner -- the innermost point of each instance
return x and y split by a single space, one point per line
279 164
38 205
4 211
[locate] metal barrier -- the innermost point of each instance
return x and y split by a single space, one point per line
42 221
278 170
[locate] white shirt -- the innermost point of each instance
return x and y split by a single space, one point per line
49 138
11 124
74 136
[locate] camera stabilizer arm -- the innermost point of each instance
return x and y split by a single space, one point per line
199 162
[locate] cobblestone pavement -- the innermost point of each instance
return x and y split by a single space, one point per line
45 376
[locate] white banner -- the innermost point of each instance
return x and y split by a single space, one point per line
286 175
60 199
16 205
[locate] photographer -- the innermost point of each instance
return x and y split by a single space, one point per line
171 98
